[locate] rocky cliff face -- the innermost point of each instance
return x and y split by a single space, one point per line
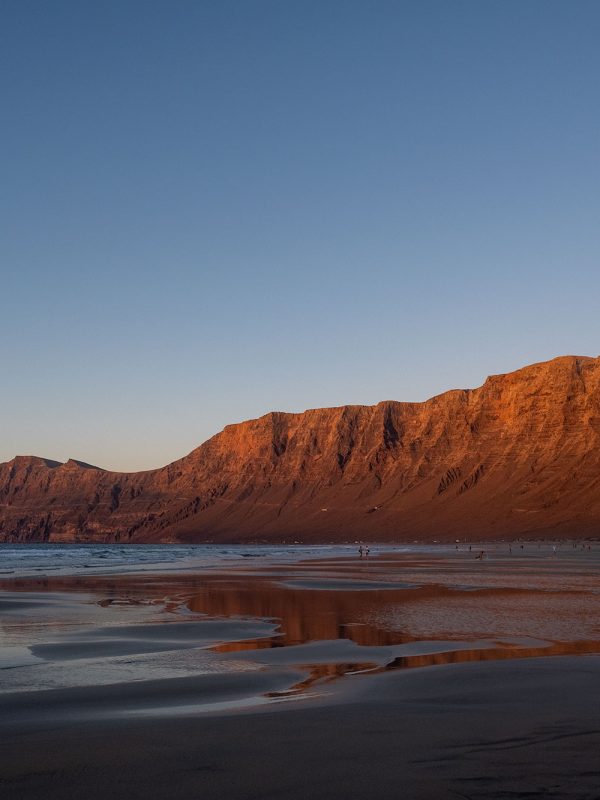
518 456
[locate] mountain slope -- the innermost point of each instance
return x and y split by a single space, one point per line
517 456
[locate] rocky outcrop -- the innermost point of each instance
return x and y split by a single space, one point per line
518 456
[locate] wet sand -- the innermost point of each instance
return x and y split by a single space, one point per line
405 677
505 729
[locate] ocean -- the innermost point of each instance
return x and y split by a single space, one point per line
20 560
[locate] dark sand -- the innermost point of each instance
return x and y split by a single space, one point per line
506 729
451 703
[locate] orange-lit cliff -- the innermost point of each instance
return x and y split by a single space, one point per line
518 456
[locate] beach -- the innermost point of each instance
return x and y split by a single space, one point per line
414 673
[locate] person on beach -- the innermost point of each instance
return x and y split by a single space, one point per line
367 551
360 551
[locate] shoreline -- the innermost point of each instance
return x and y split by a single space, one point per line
192 558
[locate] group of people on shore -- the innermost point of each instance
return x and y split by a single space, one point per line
363 549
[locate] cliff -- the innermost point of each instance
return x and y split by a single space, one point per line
518 456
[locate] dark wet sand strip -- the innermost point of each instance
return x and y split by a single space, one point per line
90 705
507 729
151 638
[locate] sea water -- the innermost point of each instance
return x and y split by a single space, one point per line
21 560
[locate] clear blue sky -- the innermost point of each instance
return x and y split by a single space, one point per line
214 209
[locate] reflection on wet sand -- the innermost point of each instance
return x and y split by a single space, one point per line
332 619
323 673
305 615
498 653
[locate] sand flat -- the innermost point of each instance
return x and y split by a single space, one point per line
421 676
505 729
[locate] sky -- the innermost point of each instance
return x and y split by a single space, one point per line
211 210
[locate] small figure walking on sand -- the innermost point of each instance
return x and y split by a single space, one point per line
360 551
367 551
